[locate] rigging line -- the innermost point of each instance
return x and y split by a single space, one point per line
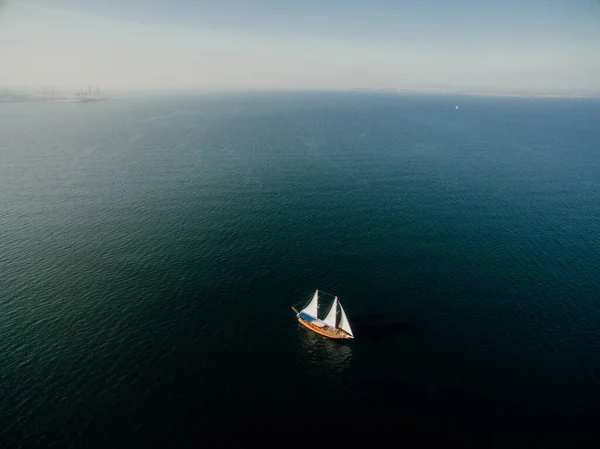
304 301
329 294
320 291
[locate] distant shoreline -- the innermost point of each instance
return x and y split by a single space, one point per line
484 94
136 94
16 101
511 95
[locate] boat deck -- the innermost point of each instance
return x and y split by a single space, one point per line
325 331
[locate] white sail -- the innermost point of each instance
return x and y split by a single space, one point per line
330 318
313 306
344 324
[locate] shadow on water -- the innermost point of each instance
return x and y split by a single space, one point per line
380 326
335 352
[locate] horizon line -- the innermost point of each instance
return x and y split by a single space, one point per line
390 90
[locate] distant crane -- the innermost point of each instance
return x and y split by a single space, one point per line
89 94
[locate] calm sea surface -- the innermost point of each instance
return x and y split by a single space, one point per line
150 250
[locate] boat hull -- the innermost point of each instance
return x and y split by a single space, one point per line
338 334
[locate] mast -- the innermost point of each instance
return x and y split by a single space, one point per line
313 306
331 315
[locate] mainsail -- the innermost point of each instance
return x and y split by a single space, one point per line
330 318
344 324
313 306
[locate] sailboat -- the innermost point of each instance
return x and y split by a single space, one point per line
328 326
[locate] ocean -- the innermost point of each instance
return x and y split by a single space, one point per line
151 249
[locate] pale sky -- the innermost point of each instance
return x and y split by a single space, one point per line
500 46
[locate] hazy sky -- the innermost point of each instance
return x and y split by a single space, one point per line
503 45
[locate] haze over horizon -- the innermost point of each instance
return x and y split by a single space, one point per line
495 47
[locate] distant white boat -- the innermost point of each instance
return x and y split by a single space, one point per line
457 107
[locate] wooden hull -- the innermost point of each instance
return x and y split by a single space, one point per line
325 331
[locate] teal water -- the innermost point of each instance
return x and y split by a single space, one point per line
150 250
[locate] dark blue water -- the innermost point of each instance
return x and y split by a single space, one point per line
150 250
